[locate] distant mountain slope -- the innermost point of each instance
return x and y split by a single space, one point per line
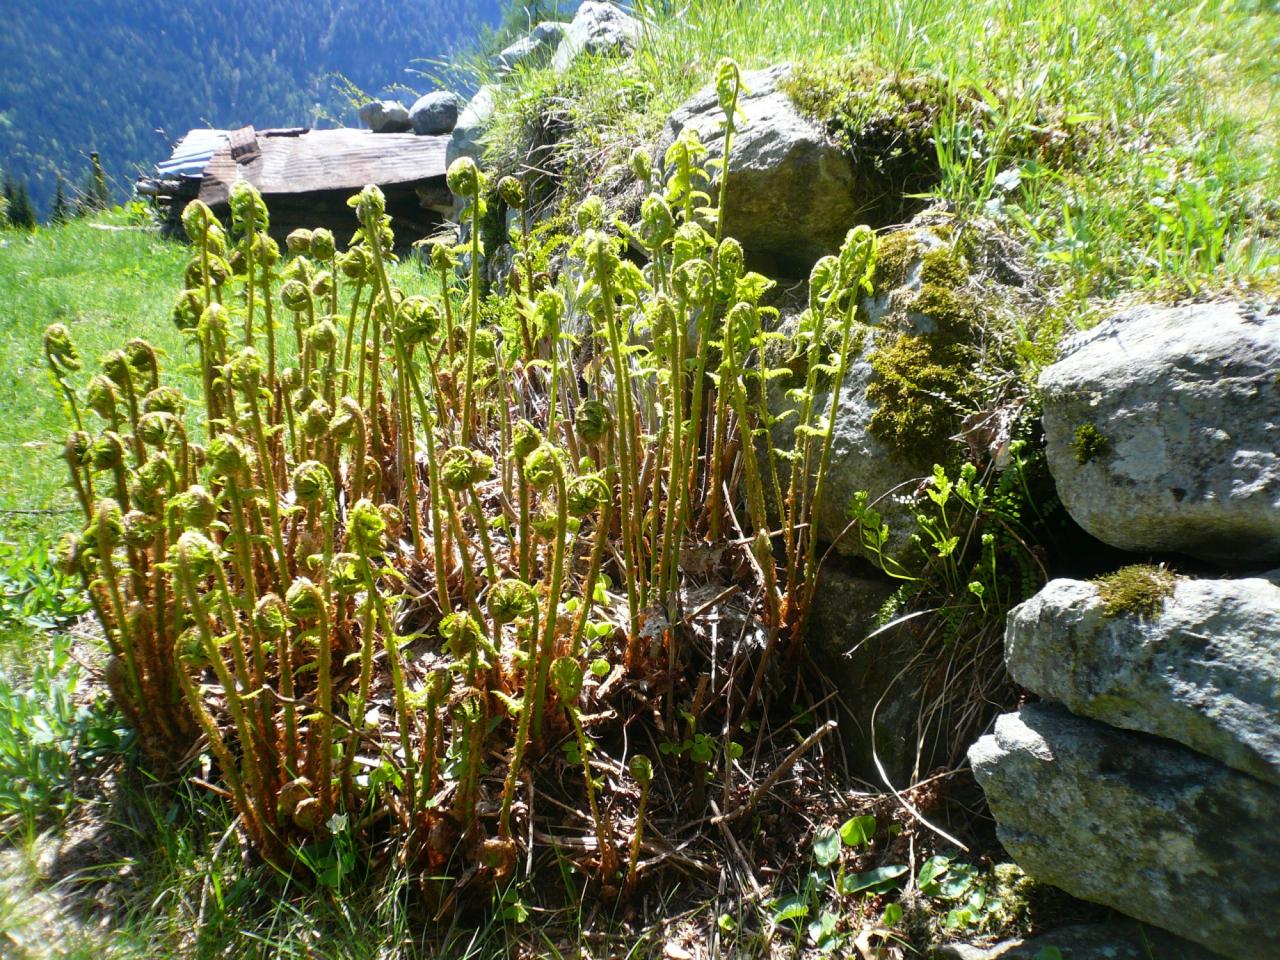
126 77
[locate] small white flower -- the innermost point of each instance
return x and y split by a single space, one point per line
1009 179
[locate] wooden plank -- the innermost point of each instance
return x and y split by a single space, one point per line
243 144
328 208
342 159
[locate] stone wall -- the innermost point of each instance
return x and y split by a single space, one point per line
1149 778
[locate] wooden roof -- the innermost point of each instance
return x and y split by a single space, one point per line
294 161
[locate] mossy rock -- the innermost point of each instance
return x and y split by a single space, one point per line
1189 659
1162 425
924 329
1139 589
885 123
792 196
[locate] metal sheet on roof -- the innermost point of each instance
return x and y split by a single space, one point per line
192 153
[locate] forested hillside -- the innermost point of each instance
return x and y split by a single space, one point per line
127 78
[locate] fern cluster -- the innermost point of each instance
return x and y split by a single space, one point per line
371 569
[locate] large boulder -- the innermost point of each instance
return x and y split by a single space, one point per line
597 29
435 113
532 50
791 188
1138 823
468 132
385 116
1202 671
1163 430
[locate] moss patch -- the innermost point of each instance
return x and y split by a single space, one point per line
952 311
885 121
944 266
1139 589
895 253
998 903
923 382
1089 443
919 391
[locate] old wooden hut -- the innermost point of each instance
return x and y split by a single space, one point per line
307 175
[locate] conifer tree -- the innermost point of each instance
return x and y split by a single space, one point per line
61 211
21 213
101 195
94 195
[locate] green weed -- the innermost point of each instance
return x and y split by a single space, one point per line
51 725
973 555
34 593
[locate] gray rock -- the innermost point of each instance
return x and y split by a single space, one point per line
468 133
551 32
497 265
597 29
524 52
435 113
1090 941
533 50
385 116
1203 672
1140 824
861 461
873 676
1185 402
968 951
790 187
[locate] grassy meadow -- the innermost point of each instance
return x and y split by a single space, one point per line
107 286
109 281
1168 182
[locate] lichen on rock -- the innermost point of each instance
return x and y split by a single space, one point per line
1187 399
1196 666
1138 823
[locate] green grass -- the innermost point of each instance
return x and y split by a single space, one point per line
107 286
1168 112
